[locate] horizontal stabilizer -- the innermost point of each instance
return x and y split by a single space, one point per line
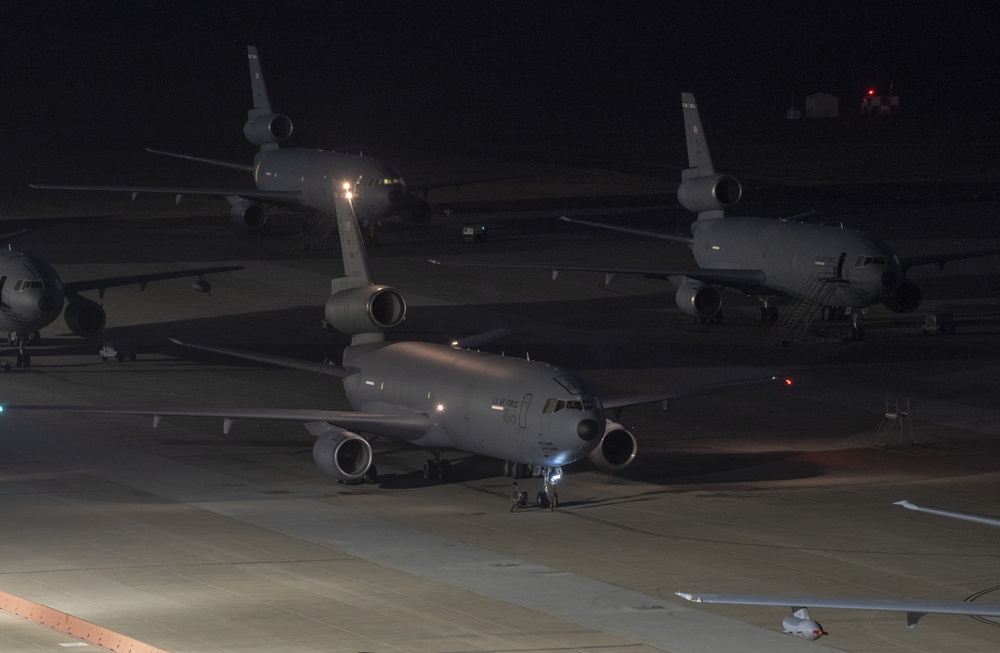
214 162
143 279
279 361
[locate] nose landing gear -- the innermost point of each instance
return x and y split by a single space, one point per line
547 497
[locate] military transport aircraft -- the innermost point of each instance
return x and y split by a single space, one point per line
801 624
32 296
534 416
834 269
300 177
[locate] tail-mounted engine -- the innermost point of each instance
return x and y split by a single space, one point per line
268 128
616 449
84 317
344 455
712 193
365 310
248 215
697 299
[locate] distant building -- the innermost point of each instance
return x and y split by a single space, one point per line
822 105
879 105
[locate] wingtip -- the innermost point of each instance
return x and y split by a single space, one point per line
905 504
177 341
689 597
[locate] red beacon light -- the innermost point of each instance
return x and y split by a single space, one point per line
871 91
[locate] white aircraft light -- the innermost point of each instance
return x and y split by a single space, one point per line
440 408
347 185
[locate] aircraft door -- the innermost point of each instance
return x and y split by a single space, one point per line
3 290
523 422
840 266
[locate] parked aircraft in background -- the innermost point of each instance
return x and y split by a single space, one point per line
833 270
533 416
300 177
32 296
801 624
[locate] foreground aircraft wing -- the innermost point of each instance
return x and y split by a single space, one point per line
908 262
624 400
271 196
748 281
686 240
914 609
964 516
142 279
404 427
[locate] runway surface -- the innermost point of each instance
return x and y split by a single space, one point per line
190 540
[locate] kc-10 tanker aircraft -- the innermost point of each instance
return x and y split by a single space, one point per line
534 416
300 177
801 624
32 296
839 268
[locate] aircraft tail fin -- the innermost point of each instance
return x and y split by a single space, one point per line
699 158
702 190
263 127
357 274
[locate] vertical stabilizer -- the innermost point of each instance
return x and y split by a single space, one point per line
699 159
261 103
352 247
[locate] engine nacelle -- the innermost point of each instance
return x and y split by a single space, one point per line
904 298
268 128
248 215
697 299
84 317
344 455
801 625
712 193
365 310
416 210
616 450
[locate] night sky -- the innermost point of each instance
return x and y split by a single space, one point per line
173 74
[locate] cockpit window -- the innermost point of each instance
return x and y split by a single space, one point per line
555 405
23 284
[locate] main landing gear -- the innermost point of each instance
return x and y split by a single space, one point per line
437 469
768 314
547 497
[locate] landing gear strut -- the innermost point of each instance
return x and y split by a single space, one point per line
20 340
547 497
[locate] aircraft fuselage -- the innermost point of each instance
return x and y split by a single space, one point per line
318 174
791 253
503 407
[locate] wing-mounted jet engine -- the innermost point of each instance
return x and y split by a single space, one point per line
416 210
616 450
699 300
247 214
342 454
84 317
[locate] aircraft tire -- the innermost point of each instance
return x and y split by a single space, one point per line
542 499
515 470
506 468
430 470
444 471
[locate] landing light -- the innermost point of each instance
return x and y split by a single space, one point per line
440 408
347 185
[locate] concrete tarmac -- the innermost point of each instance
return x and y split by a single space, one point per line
190 540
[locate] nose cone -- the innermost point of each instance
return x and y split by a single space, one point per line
588 429
889 279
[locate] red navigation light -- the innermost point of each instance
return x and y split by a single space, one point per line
788 382
871 91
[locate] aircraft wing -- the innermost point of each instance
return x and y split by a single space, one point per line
914 609
624 400
748 281
404 427
142 279
940 259
686 240
271 196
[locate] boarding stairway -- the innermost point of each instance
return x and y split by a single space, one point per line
803 312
